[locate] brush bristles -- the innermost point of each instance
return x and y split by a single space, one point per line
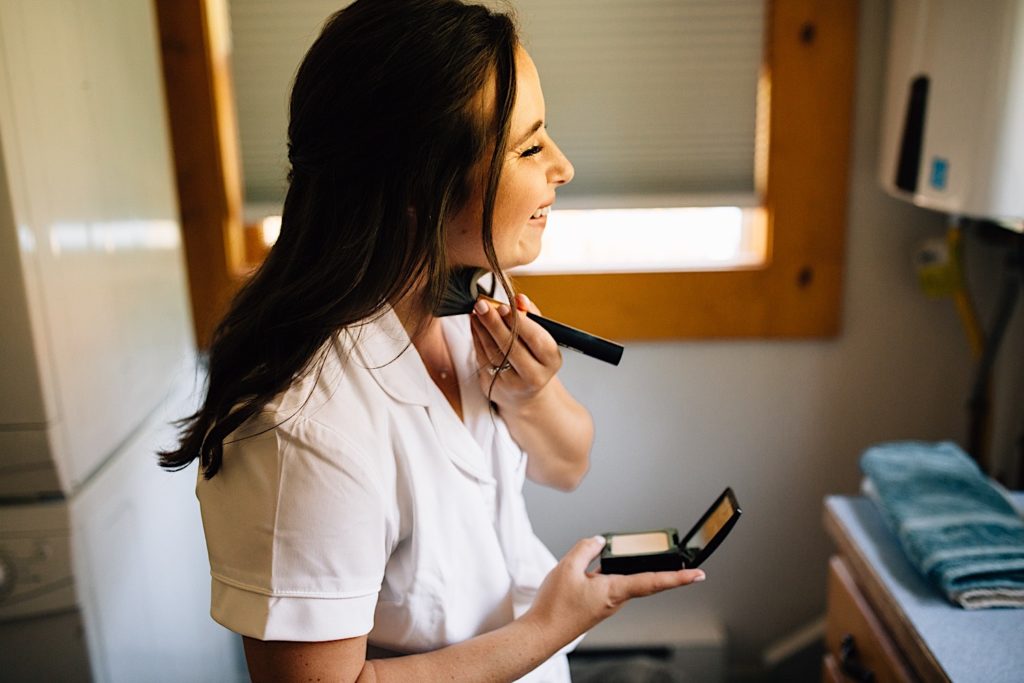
462 292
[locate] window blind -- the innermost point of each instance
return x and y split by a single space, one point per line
269 39
646 97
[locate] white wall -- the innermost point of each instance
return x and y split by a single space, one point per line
783 422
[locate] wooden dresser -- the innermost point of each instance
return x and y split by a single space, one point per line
886 623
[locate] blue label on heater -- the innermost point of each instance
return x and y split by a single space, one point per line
940 173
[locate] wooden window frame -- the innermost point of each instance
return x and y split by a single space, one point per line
195 54
804 123
805 109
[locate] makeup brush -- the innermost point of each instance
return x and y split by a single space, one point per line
464 290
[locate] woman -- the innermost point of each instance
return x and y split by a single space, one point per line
362 459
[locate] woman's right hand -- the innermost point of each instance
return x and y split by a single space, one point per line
572 600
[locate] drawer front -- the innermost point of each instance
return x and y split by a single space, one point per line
854 637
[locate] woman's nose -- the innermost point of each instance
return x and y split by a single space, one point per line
562 170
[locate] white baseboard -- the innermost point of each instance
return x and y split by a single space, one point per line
789 645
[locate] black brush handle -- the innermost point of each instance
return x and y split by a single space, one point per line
581 341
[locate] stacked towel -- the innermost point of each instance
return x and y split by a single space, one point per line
957 529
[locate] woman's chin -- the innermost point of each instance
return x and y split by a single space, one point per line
516 263
524 256
521 256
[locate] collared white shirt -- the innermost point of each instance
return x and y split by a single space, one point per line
359 503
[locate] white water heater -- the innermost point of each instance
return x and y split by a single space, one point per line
953 127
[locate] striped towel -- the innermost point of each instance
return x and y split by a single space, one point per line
953 524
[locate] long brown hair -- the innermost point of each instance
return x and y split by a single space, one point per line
382 139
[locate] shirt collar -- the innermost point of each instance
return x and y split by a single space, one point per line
384 348
382 345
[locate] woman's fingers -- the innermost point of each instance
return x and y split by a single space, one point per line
649 583
536 344
540 342
586 551
523 303
486 347
496 337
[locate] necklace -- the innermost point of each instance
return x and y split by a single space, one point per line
439 367
436 358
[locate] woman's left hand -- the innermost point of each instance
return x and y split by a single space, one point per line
532 363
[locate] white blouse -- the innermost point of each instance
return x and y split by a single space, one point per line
359 503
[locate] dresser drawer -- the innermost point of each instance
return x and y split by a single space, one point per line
854 637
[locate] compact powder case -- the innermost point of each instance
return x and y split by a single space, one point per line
642 551
633 552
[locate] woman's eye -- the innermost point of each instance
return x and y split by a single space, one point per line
536 149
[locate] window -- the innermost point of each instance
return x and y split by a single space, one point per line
806 90
670 236
804 126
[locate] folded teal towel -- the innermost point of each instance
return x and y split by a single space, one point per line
953 524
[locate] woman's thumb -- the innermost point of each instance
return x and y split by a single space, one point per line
583 553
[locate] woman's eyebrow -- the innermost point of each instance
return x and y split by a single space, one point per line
533 129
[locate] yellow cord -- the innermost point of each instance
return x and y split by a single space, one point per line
962 298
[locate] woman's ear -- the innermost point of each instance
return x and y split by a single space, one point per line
412 215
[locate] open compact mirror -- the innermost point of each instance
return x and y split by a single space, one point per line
632 552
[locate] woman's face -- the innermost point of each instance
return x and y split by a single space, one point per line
533 168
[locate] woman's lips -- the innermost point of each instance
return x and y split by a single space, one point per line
542 212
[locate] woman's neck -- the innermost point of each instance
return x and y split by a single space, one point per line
413 312
427 336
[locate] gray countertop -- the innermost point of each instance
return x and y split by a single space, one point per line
970 645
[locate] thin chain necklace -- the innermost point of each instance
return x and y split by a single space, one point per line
438 358
442 369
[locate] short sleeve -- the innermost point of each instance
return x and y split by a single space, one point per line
298 535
